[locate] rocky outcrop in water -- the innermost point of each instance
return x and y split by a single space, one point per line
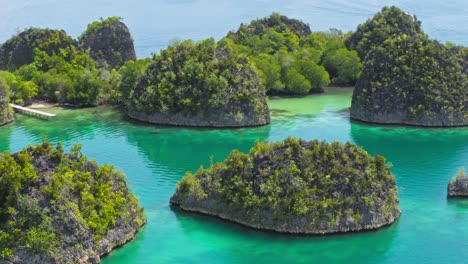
62 208
109 42
408 78
19 50
414 81
296 187
6 113
199 84
458 187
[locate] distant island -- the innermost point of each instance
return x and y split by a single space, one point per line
408 78
295 186
62 208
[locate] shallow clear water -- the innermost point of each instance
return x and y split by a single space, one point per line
430 230
154 23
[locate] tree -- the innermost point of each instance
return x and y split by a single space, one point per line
343 65
20 91
296 83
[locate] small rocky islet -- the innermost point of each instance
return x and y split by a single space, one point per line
458 186
295 186
58 207
200 84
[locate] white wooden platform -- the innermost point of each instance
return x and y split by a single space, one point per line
32 112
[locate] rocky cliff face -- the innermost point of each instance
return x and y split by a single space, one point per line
414 81
295 187
109 42
6 113
72 210
19 50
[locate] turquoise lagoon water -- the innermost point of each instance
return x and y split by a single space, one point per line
430 230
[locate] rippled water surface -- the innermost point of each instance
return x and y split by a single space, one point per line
430 230
154 23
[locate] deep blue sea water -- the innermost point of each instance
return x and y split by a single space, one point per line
154 23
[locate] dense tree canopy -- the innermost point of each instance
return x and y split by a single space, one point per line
130 73
70 76
291 59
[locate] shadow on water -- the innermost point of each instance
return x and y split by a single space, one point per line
399 142
458 203
424 159
363 247
182 149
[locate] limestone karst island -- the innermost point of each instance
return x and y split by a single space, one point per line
233 132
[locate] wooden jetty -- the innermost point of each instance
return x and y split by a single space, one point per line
32 112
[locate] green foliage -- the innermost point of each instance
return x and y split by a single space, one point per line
130 74
102 23
6 113
296 178
290 58
389 22
196 79
48 64
70 76
21 90
417 77
19 50
343 65
41 205
460 175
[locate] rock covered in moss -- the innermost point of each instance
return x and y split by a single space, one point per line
6 113
458 187
62 208
276 22
389 22
412 80
200 84
109 42
297 187
19 50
